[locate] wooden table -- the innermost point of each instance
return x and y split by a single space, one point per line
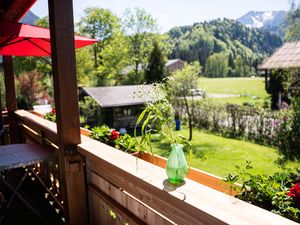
16 156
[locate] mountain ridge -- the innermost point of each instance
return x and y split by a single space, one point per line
271 21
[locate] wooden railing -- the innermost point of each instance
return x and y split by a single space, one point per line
124 189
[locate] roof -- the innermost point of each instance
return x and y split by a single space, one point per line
286 56
115 96
128 69
14 10
172 61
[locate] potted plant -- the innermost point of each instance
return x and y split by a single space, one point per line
158 117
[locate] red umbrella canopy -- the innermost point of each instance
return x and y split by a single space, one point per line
18 39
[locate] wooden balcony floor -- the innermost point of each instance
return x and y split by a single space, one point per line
34 193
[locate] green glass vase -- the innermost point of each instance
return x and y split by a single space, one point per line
176 167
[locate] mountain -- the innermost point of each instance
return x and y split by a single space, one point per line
272 21
238 43
29 18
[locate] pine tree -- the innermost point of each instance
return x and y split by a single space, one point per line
155 70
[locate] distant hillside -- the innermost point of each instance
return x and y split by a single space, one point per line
29 18
202 40
272 21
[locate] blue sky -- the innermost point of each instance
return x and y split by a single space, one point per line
170 13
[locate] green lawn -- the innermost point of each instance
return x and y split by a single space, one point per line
236 100
246 87
219 155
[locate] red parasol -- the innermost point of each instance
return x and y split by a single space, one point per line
18 39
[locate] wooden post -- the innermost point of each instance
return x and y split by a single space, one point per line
11 102
67 111
266 81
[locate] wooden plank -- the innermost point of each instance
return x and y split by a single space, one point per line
191 203
194 174
39 125
67 111
126 216
11 102
136 207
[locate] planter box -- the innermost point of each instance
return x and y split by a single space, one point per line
194 174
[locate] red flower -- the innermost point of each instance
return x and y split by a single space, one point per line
114 134
294 191
53 111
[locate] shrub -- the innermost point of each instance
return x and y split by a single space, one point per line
278 193
51 116
288 138
113 138
104 134
127 143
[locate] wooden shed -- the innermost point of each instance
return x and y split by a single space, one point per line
119 106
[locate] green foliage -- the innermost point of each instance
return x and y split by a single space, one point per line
114 57
267 191
181 84
85 67
103 134
201 40
112 137
110 54
100 24
182 81
216 65
292 20
89 111
288 138
155 71
43 22
51 116
139 26
127 143
157 117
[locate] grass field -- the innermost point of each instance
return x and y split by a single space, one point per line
245 87
219 155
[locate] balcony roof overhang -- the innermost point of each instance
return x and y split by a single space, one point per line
14 10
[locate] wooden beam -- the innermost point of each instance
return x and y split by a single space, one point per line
11 102
67 111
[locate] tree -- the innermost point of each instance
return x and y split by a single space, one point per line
89 111
181 84
43 22
85 67
100 24
114 57
30 89
140 27
155 71
241 68
217 65
293 22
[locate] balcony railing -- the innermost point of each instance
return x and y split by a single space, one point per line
123 189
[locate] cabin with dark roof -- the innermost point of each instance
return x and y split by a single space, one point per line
119 106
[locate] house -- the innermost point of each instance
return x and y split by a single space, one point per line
286 57
171 66
174 64
119 106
